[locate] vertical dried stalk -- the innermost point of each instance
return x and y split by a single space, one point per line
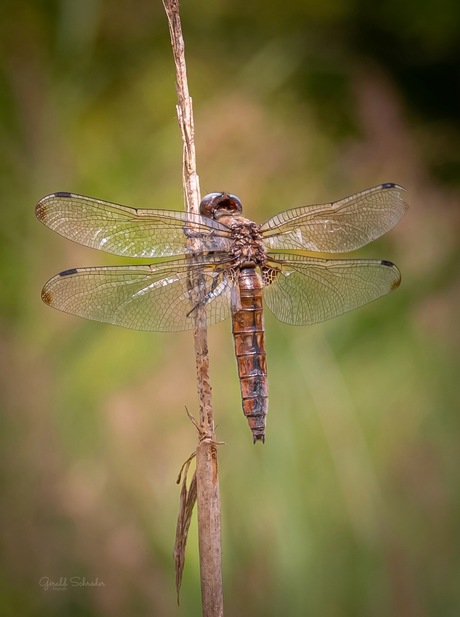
208 498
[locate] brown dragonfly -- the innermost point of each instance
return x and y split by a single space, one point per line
237 264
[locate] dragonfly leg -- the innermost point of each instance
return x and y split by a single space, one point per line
216 289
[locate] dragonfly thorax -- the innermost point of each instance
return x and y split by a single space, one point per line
248 247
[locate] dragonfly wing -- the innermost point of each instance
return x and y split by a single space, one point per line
337 227
128 231
301 290
153 298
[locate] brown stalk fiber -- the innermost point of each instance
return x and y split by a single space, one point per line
207 480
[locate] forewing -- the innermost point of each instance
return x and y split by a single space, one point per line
154 298
340 226
302 291
128 231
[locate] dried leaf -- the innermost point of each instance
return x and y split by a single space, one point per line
186 504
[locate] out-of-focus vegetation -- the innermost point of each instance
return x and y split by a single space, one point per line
352 507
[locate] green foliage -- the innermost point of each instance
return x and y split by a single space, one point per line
352 506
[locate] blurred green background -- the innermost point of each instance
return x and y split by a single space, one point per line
352 507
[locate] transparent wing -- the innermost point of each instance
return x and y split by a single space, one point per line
301 290
340 226
128 231
155 297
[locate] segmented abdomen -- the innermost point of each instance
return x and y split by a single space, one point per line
248 332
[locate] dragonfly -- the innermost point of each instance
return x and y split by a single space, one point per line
225 266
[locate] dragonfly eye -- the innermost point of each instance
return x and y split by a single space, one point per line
216 205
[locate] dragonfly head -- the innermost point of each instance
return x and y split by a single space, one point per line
216 205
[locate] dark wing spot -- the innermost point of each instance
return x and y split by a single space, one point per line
67 272
46 297
40 211
388 185
62 194
389 264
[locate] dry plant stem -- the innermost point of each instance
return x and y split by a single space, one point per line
208 498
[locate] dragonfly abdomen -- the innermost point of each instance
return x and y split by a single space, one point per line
248 333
